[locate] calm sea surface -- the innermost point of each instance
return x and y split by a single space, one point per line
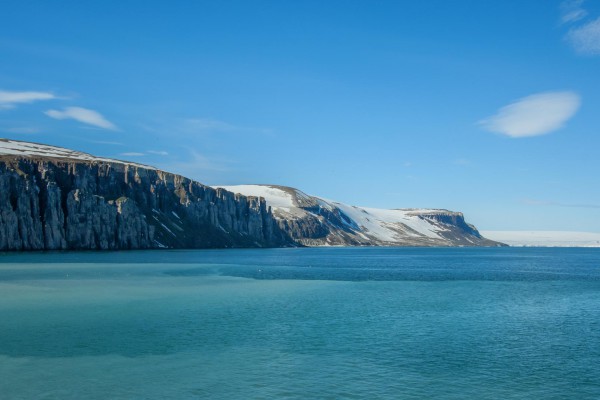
341 323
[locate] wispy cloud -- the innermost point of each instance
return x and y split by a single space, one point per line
107 142
132 154
463 162
84 115
534 115
207 124
198 126
23 130
572 11
198 166
585 39
9 99
199 162
137 153
533 202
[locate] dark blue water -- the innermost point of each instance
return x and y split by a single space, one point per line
357 323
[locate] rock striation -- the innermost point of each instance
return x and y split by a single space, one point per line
55 203
314 221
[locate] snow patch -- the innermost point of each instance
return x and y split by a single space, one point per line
28 149
380 224
275 197
160 245
167 229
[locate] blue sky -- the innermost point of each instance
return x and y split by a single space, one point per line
490 108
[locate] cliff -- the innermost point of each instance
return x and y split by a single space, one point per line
315 221
56 199
51 201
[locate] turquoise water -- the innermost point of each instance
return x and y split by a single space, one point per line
355 323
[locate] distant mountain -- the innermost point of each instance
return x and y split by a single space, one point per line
53 198
546 238
314 221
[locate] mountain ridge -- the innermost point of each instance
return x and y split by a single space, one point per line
53 198
329 223
56 199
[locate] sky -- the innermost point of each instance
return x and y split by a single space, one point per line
491 108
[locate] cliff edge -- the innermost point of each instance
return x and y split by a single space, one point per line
54 199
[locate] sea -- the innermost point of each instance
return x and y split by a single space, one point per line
301 323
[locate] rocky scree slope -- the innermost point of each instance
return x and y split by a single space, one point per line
53 198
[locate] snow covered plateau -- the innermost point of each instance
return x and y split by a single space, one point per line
34 150
315 221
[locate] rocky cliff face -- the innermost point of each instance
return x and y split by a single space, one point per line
54 199
51 203
313 221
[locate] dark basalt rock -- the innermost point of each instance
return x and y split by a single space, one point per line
55 204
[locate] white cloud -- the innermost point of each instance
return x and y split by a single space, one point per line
572 11
158 153
586 38
10 99
534 115
84 115
132 154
